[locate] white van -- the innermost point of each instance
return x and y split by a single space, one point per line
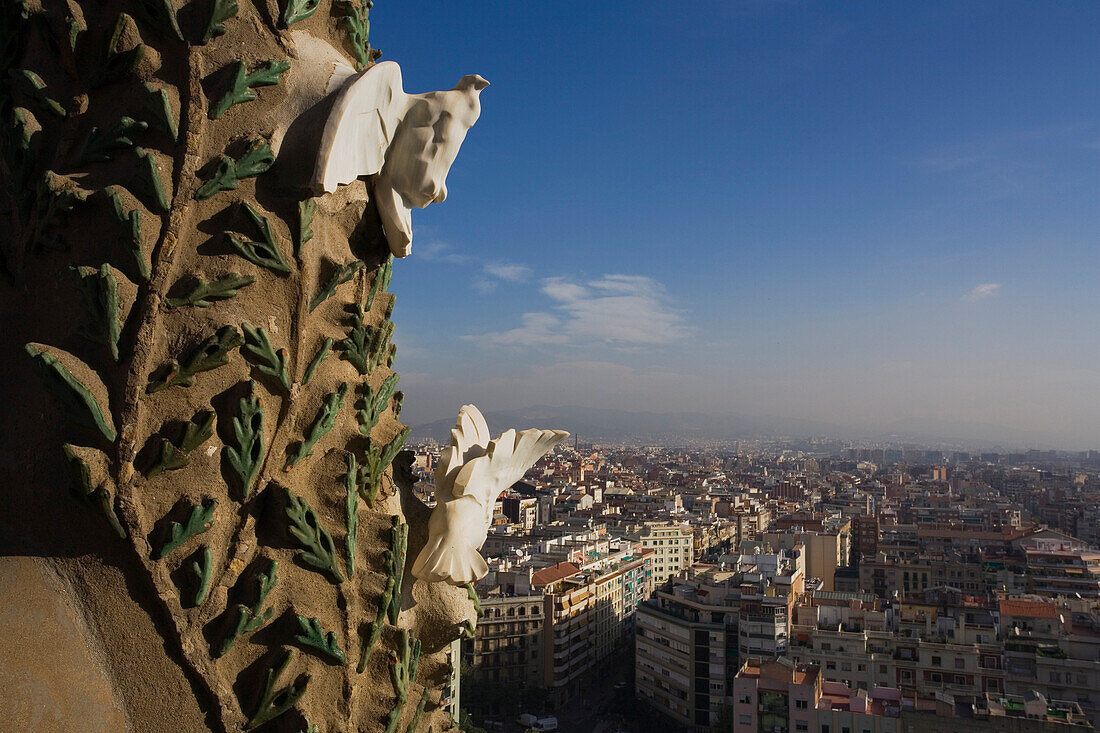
545 724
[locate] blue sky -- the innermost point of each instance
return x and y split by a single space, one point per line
860 213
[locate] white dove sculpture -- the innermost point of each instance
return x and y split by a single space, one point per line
470 476
408 140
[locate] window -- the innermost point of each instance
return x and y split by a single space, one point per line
960 663
744 719
744 699
830 665
882 669
801 704
936 662
801 726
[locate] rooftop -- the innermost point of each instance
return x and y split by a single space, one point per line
1028 609
780 671
554 573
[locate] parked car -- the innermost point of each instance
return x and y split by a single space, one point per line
546 724
527 720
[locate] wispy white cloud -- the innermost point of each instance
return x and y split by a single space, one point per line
444 252
982 291
509 272
484 285
620 310
494 273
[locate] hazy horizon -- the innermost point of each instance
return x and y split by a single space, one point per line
851 214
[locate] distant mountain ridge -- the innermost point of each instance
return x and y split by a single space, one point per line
601 424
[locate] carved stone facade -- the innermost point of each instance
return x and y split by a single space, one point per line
218 341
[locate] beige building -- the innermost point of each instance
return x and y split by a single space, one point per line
672 544
824 551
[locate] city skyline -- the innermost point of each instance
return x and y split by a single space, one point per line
850 216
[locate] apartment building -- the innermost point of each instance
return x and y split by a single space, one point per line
1056 568
588 614
786 697
550 627
692 634
507 645
1053 650
826 549
672 544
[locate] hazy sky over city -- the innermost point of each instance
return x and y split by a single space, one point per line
861 213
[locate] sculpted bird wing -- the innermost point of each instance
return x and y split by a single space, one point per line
360 126
506 460
469 439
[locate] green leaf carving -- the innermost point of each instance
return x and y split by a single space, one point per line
220 11
274 703
379 459
203 293
356 347
394 559
403 666
381 282
228 173
266 74
321 355
343 274
312 634
265 253
373 631
258 349
296 10
131 223
161 14
198 521
32 85
351 507
80 404
159 112
203 570
320 552
117 65
172 457
356 22
324 422
247 457
415 724
212 353
251 618
98 497
306 210
374 403
100 291
471 593
100 145
149 177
